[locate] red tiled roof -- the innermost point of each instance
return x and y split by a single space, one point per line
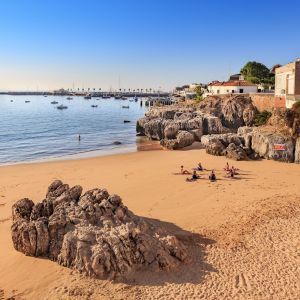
232 83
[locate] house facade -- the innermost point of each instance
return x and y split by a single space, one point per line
287 84
231 87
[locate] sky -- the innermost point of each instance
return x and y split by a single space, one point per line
158 44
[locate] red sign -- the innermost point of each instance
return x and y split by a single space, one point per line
279 147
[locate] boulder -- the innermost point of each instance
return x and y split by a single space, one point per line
235 152
263 144
184 139
215 147
93 233
225 139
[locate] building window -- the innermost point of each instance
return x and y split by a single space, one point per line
227 91
232 91
241 91
218 91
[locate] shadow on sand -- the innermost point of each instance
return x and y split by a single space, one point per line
192 271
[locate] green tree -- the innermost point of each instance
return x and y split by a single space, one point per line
255 72
199 92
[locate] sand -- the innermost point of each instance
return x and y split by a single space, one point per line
243 234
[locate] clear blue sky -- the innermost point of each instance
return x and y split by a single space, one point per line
148 43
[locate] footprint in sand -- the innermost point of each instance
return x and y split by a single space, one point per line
242 282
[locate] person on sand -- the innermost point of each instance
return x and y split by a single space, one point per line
212 176
195 176
184 172
200 168
234 170
227 168
230 174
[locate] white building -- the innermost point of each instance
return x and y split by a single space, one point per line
231 87
287 84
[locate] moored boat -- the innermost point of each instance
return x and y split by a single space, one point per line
61 106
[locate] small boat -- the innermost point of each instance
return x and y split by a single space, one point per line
98 99
69 98
87 97
94 105
118 96
127 121
61 106
131 100
45 96
136 99
125 106
27 101
54 102
105 96
124 98
11 100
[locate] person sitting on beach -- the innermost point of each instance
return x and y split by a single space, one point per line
212 176
200 168
195 176
231 173
184 172
227 168
234 170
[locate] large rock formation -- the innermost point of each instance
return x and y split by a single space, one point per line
214 115
234 111
94 233
264 142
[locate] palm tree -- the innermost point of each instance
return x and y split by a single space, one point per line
150 90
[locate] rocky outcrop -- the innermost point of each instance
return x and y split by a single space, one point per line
297 151
265 143
93 233
214 115
234 111
235 152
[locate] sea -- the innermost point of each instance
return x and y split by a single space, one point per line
33 129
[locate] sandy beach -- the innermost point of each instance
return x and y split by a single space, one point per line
243 234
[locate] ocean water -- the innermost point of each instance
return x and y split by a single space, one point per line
38 130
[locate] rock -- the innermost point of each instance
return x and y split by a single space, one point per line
212 125
171 130
297 151
235 152
93 233
233 110
184 139
215 147
225 139
263 144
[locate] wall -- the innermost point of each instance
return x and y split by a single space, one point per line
263 101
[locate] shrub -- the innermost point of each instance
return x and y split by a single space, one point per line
262 118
